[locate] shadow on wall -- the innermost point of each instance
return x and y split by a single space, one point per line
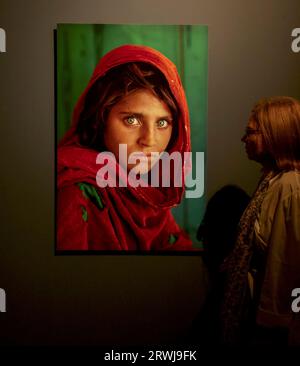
217 233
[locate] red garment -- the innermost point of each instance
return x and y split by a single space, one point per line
132 218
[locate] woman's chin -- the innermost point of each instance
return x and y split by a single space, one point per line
250 156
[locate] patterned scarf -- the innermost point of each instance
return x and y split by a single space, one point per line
237 266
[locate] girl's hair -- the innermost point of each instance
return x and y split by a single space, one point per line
119 82
278 119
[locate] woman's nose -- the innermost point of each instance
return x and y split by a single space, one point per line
243 139
148 136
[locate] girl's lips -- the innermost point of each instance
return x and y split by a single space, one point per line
142 154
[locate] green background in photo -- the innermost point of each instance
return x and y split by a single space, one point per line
79 48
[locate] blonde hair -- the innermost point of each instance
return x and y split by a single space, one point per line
278 119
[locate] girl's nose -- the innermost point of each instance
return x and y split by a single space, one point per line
148 136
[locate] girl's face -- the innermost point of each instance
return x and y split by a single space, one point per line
142 122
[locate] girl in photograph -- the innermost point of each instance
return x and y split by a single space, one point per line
134 99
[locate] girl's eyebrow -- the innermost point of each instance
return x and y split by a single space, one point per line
132 113
140 115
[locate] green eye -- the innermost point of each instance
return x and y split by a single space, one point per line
131 120
162 123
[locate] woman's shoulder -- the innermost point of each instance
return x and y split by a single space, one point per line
291 177
286 183
284 188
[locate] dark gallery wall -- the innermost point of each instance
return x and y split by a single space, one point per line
120 300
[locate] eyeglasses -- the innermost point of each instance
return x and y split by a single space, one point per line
251 131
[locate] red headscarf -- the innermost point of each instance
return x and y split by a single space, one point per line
132 218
